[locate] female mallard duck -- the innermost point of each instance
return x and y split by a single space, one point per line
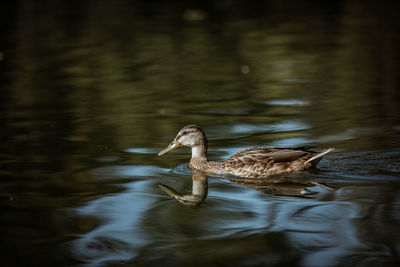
255 162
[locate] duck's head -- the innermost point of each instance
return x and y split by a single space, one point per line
189 136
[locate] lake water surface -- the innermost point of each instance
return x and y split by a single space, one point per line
92 91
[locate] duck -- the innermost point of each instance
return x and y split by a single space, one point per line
254 162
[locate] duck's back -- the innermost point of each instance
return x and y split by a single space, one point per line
259 162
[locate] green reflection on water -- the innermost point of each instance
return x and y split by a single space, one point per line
145 76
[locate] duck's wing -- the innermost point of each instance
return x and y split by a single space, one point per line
287 155
265 161
268 154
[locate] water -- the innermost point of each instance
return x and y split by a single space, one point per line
91 92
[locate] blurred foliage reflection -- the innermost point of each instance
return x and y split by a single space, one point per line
129 65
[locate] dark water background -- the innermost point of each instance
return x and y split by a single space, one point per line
92 90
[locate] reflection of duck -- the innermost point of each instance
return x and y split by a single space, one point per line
199 191
253 162
279 187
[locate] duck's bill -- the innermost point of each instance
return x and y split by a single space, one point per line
172 146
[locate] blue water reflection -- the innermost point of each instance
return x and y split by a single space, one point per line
284 126
120 234
142 225
288 102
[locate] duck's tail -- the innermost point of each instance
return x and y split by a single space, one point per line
314 160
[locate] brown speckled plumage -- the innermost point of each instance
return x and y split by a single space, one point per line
255 162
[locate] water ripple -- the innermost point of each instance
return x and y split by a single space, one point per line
285 126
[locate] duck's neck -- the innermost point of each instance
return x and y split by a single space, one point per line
200 162
199 152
